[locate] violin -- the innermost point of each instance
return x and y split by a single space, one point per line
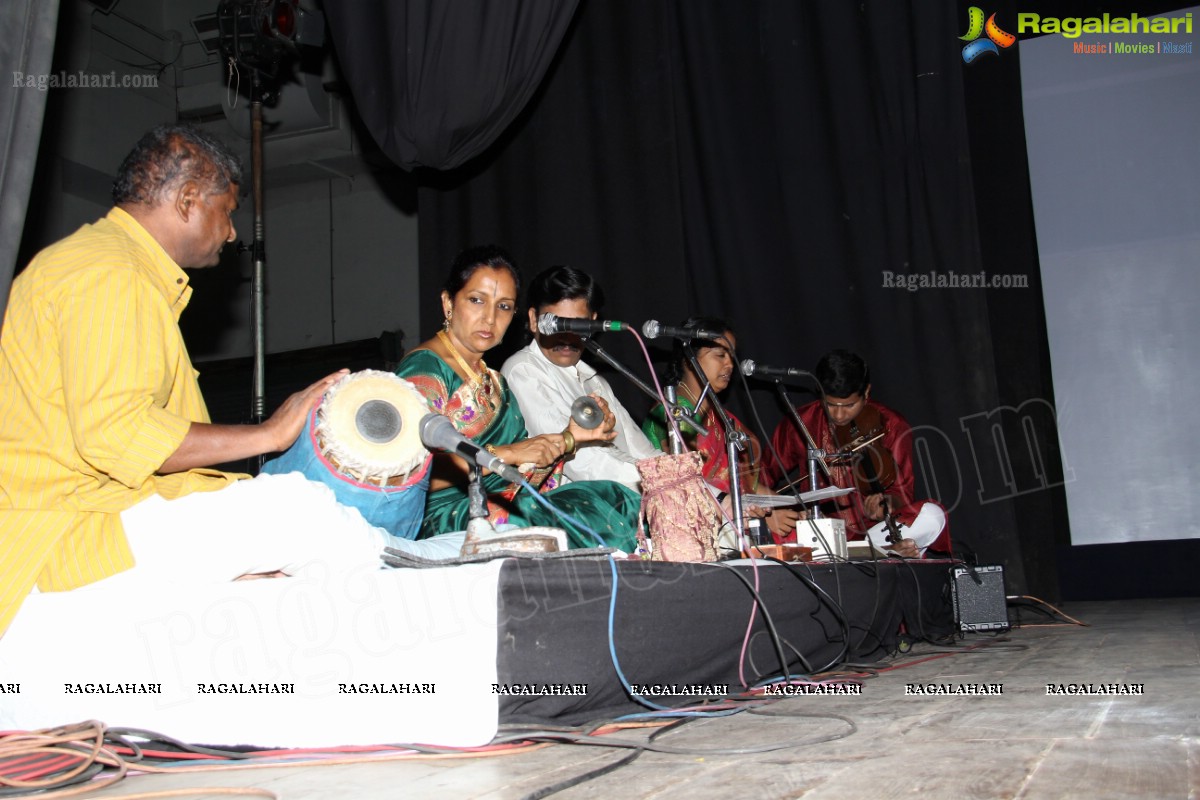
873 466
894 536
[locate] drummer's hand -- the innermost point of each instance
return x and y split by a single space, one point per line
289 419
604 432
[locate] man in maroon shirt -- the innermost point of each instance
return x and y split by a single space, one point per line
841 416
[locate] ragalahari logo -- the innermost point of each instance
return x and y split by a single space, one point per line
976 27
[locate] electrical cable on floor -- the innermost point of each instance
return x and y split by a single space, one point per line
871 670
833 605
871 570
164 761
648 745
76 759
555 788
772 631
1039 602
231 791
72 756
857 648
1017 617
761 673
606 741
642 747
122 737
923 636
920 658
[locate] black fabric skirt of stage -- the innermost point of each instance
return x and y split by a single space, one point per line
676 627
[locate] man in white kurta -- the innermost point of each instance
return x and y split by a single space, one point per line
549 375
545 392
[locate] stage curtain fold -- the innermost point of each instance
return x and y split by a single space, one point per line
27 29
436 81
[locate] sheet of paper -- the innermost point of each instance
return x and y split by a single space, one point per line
778 500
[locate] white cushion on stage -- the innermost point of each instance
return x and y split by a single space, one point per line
368 626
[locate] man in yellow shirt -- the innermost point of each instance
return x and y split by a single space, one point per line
101 417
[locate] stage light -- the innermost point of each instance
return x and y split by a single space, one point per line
282 19
293 25
259 34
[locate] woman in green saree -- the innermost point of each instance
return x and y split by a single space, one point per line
479 301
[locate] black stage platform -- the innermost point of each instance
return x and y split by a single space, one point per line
685 624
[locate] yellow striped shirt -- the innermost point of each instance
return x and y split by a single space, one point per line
96 391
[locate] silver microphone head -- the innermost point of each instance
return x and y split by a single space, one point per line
437 432
650 329
748 367
547 324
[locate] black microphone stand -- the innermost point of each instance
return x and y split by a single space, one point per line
672 407
482 536
479 527
476 498
735 441
816 456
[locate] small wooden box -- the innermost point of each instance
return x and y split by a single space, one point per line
783 552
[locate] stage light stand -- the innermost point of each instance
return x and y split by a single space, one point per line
261 36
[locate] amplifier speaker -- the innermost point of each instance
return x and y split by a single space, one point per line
980 606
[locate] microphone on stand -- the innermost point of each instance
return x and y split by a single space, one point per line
549 324
749 368
482 537
439 432
652 330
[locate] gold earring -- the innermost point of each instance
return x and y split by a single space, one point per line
446 324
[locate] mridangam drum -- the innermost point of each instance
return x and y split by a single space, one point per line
362 440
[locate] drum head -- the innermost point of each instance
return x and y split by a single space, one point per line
367 424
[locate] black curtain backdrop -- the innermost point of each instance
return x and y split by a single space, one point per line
771 162
1030 476
436 81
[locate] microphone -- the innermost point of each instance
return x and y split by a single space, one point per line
766 371
549 324
653 330
439 432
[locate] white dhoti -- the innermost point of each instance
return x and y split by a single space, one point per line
924 531
272 522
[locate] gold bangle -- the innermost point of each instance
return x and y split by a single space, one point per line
568 442
491 448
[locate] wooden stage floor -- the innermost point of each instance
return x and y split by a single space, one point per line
1022 743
